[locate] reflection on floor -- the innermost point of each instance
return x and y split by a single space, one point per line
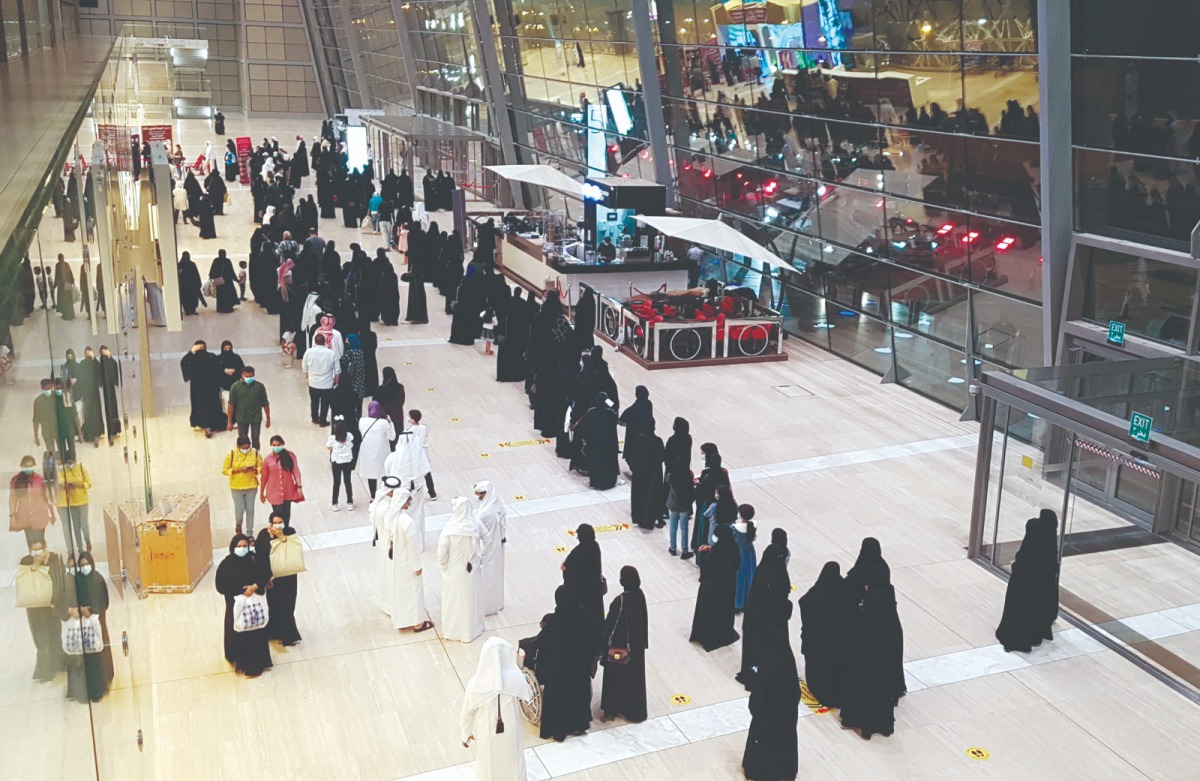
356 699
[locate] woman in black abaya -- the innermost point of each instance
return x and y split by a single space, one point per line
389 296
418 307
646 501
514 340
190 286
203 375
110 382
875 672
468 310
564 669
87 391
627 627
240 574
585 320
636 415
1031 601
583 575
599 432
89 675
827 614
768 609
226 290
281 591
868 572
772 753
204 217
712 623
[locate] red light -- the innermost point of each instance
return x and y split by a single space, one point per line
942 231
1005 243
739 176
707 173
771 186
687 166
879 204
970 237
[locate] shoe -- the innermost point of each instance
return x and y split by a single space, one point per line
672 551
350 506
659 524
687 554
334 507
323 423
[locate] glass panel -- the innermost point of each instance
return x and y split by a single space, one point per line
932 369
1147 107
862 340
1153 299
1151 200
1120 27
1008 331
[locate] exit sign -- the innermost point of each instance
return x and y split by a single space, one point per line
1116 332
1139 427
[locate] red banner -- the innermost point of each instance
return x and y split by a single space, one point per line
114 141
163 133
245 148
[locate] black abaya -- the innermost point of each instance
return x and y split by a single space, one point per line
248 652
583 576
110 381
585 320
87 391
514 340
281 592
875 673
564 669
389 297
1031 600
204 216
599 431
624 689
869 570
772 753
190 286
827 619
418 307
646 501
468 308
203 375
227 291
89 675
636 415
768 610
712 623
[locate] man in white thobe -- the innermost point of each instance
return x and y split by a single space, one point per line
460 549
493 517
493 697
378 512
409 463
404 550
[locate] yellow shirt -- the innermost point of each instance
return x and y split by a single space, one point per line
74 483
242 470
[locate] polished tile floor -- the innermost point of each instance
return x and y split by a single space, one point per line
359 700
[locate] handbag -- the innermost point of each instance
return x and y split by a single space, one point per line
299 497
250 613
72 637
218 281
93 634
287 556
618 654
34 587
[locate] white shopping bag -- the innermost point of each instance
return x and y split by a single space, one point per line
249 613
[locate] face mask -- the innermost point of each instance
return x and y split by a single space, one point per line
248 380
244 451
240 551
276 448
37 554
277 527
57 392
27 470
85 570
71 570
47 392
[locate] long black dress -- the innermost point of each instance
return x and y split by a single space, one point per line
110 381
248 652
89 675
87 390
281 592
1031 601
418 306
636 415
227 292
827 619
370 351
468 308
768 610
389 296
627 626
599 431
203 375
712 623
772 751
189 285
44 625
230 365
564 669
204 217
585 320
404 190
869 570
875 673
510 355
646 500
583 575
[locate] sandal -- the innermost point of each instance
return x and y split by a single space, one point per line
425 626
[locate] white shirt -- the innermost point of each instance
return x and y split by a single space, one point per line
321 366
341 452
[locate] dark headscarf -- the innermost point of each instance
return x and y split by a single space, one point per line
389 387
585 533
870 570
234 542
630 579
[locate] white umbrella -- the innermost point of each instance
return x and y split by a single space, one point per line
714 234
542 175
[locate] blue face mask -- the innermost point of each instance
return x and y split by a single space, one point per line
240 551
48 392
58 392
27 471
276 448
248 380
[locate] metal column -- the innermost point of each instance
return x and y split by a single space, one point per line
364 94
656 129
406 50
494 85
1057 196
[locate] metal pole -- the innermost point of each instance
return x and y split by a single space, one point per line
494 86
983 461
656 128
364 94
406 50
1057 195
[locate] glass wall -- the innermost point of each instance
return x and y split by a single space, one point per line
1136 95
892 160
1153 299
332 38
383 61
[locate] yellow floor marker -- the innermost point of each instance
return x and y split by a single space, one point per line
680 699
977 753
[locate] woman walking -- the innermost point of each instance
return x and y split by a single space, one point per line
281 482
627 632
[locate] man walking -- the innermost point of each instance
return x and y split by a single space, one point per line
321 366
248 405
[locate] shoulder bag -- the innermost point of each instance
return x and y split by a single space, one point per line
33 586
287 556
618 654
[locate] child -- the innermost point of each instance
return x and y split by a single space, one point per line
341 458
421 432
242 280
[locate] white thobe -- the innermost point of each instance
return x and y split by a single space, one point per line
495 526
377 434
408 590
399 464
462 614
378 512
497 757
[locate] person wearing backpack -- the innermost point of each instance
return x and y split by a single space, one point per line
243 467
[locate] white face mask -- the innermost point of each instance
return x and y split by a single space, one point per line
244 451
86 569
240 551
71 570
277 527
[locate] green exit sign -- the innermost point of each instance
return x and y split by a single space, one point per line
1139 427
1116 332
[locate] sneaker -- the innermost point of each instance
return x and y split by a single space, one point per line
672 551
687 554
334 507
350 506
323 423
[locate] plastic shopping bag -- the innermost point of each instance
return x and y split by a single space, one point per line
249 613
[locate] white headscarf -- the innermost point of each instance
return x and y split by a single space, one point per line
489 503
462 521
497 674
406 461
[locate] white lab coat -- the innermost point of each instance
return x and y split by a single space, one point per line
378 512
408 590
462 614
497 757
376 437
494 519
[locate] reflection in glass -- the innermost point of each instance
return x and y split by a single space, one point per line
1153 299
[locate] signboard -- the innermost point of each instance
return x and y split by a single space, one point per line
1140 426
597 148
163 133
114 142
1116 332
749 14
245 147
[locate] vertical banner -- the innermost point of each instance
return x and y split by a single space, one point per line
597 149
244 149
163 133
113 140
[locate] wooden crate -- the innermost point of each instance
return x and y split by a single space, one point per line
175 547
